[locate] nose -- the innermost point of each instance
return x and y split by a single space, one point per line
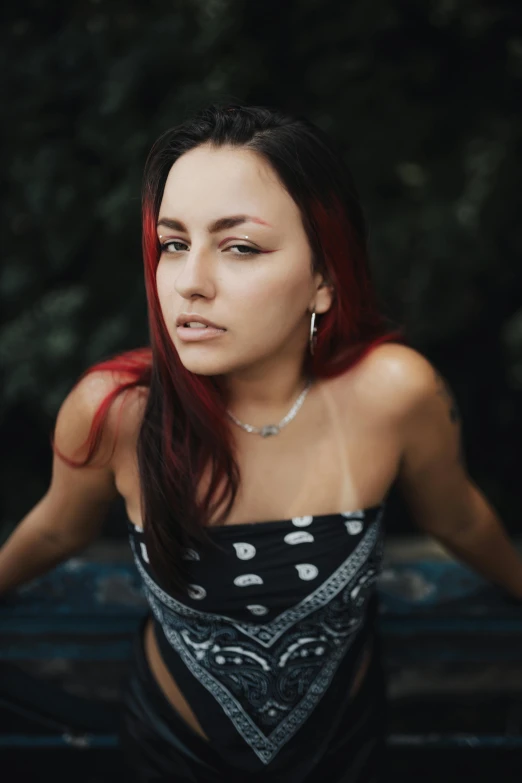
196 276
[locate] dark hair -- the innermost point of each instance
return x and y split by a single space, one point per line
185 435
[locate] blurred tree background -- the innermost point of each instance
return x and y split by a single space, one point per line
425 99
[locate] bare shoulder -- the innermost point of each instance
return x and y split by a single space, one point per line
397 379
79 409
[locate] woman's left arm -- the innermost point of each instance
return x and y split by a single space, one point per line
433 477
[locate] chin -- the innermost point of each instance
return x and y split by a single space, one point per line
205 365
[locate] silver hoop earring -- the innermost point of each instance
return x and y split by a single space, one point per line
313 334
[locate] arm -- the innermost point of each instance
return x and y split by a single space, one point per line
433 477
71 513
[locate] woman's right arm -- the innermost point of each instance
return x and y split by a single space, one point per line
71 513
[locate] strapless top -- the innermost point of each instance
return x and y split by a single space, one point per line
267 640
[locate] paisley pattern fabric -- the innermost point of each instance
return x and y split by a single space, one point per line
270 620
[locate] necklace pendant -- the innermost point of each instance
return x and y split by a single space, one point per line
269 429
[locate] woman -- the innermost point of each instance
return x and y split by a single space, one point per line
255 446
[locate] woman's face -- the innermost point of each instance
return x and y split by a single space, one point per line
250 274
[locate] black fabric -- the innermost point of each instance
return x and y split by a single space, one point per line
267 638
159 746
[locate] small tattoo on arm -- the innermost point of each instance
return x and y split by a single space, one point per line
444 391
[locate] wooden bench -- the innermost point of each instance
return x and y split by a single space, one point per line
452 648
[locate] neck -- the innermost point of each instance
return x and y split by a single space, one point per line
263 396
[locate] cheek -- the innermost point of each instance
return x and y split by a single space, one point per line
274 303
271 285
165 289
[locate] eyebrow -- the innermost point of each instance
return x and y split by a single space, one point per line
217 225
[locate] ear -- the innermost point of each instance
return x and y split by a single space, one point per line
324 294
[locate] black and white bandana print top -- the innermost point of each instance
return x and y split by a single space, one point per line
265 642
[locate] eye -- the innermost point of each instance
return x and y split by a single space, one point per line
166 246
249 250
172 246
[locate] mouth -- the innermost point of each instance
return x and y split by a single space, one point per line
195 331
195 321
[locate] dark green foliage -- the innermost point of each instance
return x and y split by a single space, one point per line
423 97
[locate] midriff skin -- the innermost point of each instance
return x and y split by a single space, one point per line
174 695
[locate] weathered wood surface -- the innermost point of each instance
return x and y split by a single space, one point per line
432 601
452 648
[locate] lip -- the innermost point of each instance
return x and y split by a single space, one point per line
186 317
189 335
